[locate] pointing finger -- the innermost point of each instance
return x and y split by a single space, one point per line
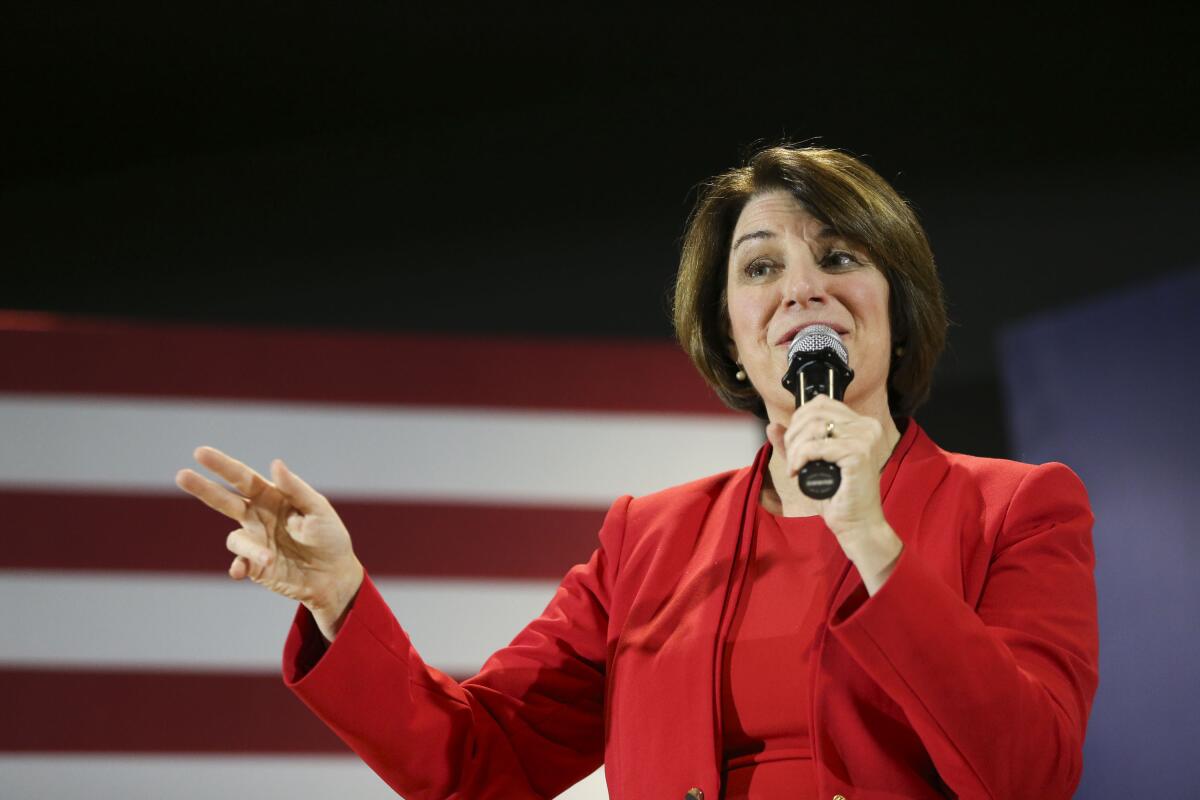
296 490
239 476
216 497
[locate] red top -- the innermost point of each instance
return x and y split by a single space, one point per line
765 703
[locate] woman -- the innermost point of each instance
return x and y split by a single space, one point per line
929 631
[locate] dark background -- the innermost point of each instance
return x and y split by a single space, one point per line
529 170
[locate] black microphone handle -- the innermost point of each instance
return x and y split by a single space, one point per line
820 479
809 374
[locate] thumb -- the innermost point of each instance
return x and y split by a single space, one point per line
307 499
775 433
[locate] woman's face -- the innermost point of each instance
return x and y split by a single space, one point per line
786 271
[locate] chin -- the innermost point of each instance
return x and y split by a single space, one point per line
781 412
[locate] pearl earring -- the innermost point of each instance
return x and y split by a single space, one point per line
740 374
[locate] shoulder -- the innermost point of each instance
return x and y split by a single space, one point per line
634 523
988 503
1004 478
698 495
1005 485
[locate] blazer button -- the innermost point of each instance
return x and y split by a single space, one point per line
698 794
839 797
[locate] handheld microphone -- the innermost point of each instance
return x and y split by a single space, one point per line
818 364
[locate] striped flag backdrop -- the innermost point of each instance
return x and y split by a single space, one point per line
472 472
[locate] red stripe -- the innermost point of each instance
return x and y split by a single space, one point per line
91 531
156 712
51 353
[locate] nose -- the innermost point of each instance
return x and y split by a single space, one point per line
804 284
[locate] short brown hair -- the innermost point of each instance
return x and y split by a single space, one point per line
859 205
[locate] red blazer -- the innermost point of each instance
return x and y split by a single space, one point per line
970 673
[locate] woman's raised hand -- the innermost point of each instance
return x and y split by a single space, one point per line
290 539
828 430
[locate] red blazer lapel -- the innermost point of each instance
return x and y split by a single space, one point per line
668 654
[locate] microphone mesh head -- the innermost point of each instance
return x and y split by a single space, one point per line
817 337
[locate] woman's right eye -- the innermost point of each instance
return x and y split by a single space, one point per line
758 268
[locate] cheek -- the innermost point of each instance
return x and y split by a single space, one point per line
745 319
873 306
747 304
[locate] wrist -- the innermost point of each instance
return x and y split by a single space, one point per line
330 614
874 554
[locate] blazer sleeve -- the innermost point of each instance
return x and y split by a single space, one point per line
528 725
1000 693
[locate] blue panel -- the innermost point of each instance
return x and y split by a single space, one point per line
1112 388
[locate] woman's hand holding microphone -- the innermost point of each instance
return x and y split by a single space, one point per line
824 429
290 539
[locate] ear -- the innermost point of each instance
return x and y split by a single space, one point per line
730 346
733 352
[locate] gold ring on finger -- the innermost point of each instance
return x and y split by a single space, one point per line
828 430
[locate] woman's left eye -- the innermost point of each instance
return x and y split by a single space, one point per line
839 258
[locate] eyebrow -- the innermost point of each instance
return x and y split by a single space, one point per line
752 235
826 232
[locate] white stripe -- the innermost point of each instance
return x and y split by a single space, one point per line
356 451
98 620
206 777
